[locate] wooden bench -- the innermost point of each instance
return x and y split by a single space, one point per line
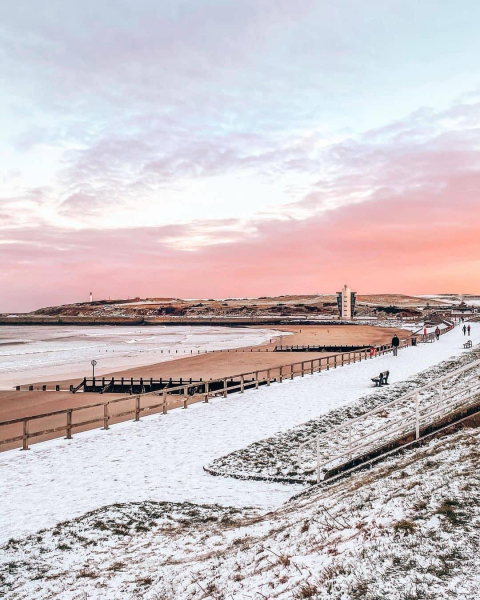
468 344
382 379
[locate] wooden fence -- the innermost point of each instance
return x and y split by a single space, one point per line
104 413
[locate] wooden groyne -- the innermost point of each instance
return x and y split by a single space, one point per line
337 348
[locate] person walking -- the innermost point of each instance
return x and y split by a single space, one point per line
395 344
468 329
437 333
464 328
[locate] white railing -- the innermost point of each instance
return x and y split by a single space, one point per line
396 420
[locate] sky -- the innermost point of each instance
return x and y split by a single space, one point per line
206 149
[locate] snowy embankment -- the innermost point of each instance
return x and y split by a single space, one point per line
162 457
275 458
408 528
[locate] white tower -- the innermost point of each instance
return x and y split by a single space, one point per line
91 297
346 302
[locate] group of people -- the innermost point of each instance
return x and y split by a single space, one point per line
465 329
437 332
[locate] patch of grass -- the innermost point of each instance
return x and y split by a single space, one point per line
305 527
307 590
64 547
359 590
86 573
404 526
117 566
284 560
144 581
449 509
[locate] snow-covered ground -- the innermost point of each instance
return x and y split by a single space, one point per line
408 529
162 456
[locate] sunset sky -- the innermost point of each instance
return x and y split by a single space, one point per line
237 148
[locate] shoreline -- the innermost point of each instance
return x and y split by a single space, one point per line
66 354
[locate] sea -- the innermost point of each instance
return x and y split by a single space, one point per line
30 354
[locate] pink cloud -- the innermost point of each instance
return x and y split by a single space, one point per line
415 231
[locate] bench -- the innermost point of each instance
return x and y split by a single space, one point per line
382 379
468 344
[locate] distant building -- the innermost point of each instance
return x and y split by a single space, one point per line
346 303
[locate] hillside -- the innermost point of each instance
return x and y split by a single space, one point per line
310 305
408 528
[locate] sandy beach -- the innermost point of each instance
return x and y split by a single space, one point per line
211 365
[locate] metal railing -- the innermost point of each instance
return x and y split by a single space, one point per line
406 416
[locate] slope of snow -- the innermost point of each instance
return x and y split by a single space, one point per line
162 457
407 529
275 458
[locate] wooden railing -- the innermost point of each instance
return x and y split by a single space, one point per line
174 397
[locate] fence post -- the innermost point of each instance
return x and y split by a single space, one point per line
206 391
105 415
137 408
311 367
417 418
268 376
242 384
69 424
281 374
185 397
25 435
303 369
256 380
335 361
291 371
164 404
225 394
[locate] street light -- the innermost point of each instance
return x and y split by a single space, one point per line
93 363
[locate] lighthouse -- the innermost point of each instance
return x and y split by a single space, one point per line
91 297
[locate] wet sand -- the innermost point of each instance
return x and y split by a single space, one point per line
213 365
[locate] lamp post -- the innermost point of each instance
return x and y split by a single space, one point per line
93 363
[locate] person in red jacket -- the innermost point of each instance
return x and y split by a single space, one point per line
437 332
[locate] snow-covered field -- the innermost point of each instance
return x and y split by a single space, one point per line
162 456
408 529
